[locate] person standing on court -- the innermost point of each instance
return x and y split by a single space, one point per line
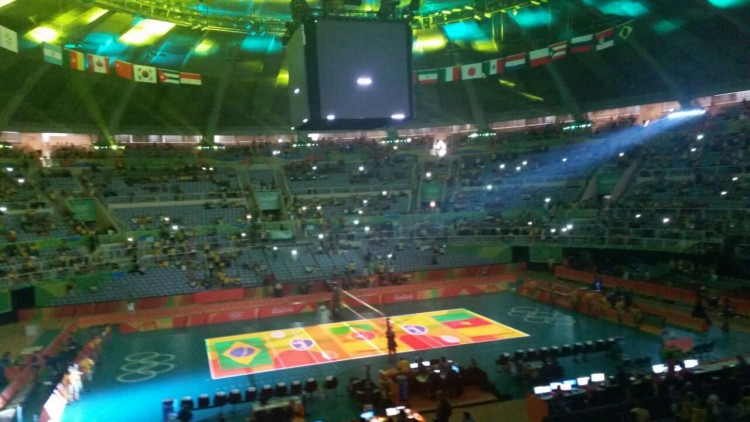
391 337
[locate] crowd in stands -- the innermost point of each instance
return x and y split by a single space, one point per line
365 196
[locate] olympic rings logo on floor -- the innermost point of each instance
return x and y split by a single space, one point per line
538 316
143 366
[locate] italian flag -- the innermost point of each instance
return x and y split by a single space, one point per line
451 74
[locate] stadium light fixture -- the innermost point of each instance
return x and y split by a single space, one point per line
44 34
681 114
398 116
95 13
364 81
331 117
204 47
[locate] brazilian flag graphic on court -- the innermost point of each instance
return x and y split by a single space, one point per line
295 347
241 353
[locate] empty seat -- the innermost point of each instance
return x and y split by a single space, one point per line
532 354
281 389
187 401
331 382
503 359
554 351
251 394
220 399
566 350
204 401
544 352
266 393
235 397
296 388
311 386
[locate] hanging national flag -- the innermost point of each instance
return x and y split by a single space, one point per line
74 59
493 67
429 76
605 39
558 51
450 74
98 64
471 71
167 76
124 69
624 30
52 54
539 57
190 78
515 62
8 39
143 73
582 44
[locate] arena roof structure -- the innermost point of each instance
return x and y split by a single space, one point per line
219 66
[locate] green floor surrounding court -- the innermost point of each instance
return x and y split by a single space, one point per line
137 371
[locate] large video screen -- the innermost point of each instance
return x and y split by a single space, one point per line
346 74
364 69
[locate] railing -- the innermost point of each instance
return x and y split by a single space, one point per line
171 196
318 191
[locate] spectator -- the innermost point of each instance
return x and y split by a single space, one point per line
467 417
444 408
640 413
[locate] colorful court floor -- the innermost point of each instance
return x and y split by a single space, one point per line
254 353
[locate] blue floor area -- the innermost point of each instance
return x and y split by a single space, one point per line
137 371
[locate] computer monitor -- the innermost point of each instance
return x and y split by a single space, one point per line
542 389
425 363
569 382
598 377
690 363
659 368
583 381
367 415
455 368
555 385
566 387
414 365
394 411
